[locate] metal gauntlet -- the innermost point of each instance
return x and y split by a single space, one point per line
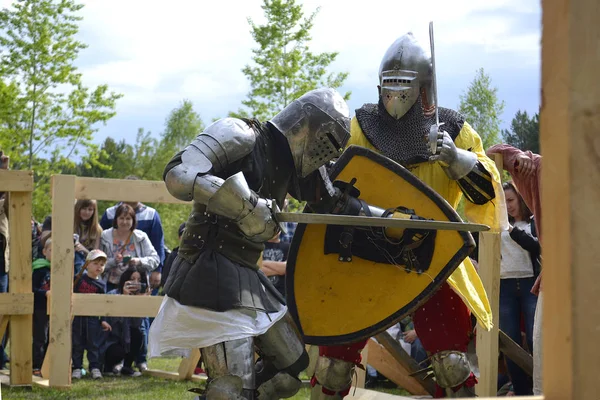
252 214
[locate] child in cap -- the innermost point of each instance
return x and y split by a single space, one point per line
87 331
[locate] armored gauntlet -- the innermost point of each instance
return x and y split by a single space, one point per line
253 215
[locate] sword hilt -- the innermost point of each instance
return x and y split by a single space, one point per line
435 139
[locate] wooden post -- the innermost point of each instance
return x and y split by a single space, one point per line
20 282
489 271
405 362
487 341
570 145
61 281
188 365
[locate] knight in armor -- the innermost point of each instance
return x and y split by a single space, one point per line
454 164
236 173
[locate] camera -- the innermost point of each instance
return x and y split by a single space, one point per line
137 287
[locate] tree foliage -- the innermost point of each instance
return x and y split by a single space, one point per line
284 68
48 116
482 108
524 132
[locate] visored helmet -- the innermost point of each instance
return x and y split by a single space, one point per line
404 74
317 127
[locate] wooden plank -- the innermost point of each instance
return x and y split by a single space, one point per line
556 144
16 181
570 122
364 394
46 364
110 305
383 362
16 303
487 341
516 353
124 190
174 375
405 360
41 382
21 329
188 365
36 380
61 278
499 161
4 319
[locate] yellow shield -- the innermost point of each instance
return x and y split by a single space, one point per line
336 302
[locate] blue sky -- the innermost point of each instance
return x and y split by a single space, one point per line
157 53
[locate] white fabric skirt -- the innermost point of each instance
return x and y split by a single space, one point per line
177 329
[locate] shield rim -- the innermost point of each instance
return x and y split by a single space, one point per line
453 263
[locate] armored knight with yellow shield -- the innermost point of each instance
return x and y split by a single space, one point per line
442 150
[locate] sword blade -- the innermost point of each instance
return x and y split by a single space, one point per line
434 80
354 220
434 129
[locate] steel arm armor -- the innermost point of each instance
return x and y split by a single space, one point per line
190 176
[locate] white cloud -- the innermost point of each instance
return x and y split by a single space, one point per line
157 52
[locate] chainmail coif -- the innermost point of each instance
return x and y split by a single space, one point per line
404 140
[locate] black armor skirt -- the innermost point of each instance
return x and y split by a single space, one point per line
217 283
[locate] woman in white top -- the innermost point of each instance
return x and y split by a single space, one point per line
518 271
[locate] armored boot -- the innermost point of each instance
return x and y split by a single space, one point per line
332 379
281 386
452 369
228 387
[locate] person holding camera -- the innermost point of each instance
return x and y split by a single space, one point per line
124 336
126 246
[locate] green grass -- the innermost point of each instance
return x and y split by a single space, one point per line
140 388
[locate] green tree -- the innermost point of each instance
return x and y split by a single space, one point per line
284 67
524 132
482 108
52 116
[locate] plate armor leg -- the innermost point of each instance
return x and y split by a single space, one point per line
230 370
282 358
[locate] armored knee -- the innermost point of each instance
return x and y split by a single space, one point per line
451 368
